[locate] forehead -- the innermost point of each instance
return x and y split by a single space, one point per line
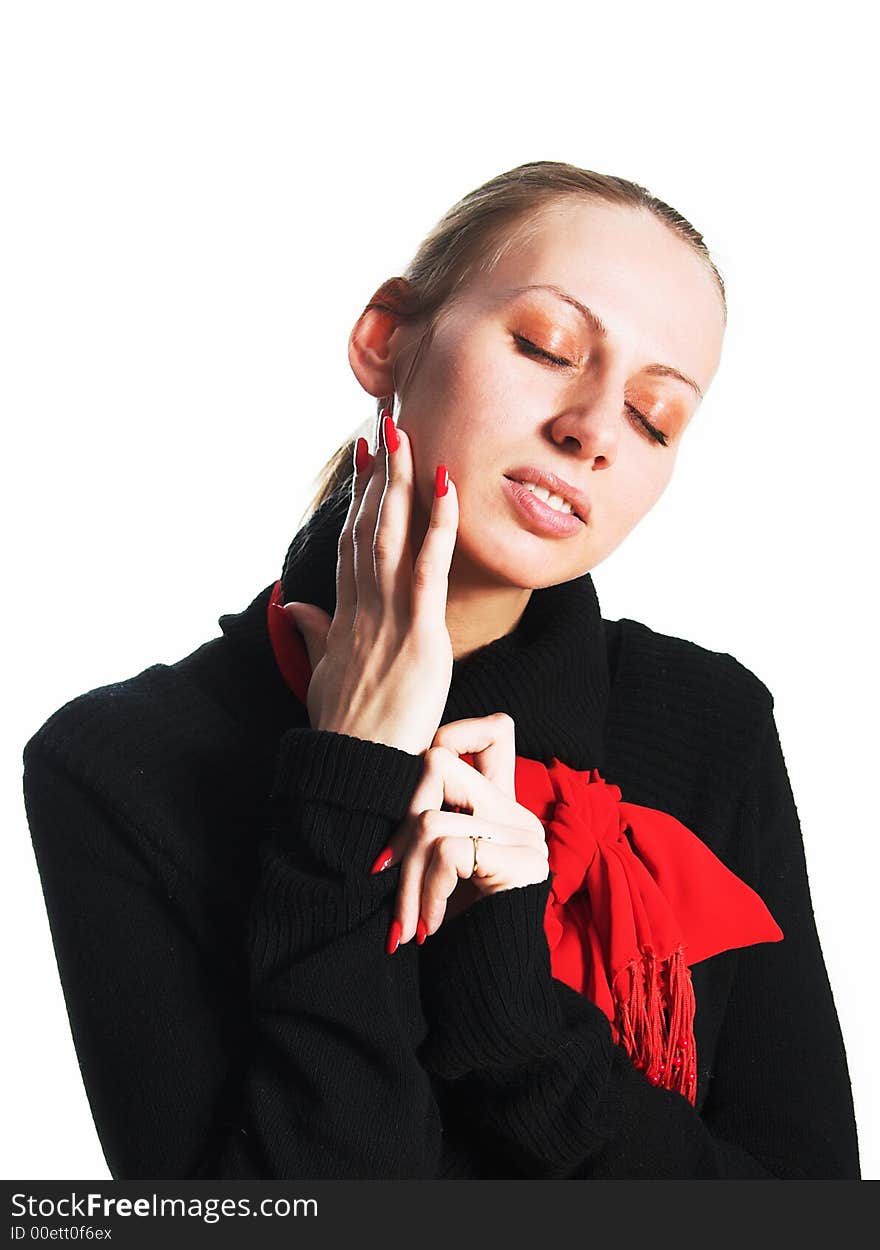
656 296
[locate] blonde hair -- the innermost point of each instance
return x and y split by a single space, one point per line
471 238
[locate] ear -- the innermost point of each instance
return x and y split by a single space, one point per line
371 352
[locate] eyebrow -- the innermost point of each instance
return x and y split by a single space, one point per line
598 326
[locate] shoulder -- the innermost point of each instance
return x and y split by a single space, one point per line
175 759
698 714
132 734
219 691
206 719
151 773
682 673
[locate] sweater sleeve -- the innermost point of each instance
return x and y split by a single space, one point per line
531 1068
305 1066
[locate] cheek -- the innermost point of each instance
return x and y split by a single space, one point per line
660 480
644 485
447 368
464 370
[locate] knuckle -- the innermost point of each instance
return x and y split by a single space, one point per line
424 574
383 545
423 825
505 722
362 528
438 758
435 756
358 638
445 850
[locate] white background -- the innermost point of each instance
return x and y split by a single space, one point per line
198 201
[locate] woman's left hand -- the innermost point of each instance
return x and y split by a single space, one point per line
434 846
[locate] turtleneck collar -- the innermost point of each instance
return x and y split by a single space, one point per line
550 673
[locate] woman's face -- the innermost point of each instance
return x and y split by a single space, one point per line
486 404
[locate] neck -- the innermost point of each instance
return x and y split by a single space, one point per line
477 614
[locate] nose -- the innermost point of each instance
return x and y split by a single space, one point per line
592 426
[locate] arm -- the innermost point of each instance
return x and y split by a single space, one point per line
301 1066
532 1069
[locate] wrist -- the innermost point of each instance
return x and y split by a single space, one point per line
487 987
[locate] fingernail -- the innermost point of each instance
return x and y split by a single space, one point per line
383 859
421 931
441 481
361 454
393 940
389 433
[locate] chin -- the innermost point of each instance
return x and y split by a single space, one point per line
519 560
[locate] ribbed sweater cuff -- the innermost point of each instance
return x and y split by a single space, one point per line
487 987
364 787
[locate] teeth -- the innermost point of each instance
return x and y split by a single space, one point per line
554 501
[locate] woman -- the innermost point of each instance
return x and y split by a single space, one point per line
423 868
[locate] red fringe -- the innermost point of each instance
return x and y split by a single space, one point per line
654 1009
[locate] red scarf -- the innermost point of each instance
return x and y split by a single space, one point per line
636 898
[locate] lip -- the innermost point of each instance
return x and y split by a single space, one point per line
556 485
538 516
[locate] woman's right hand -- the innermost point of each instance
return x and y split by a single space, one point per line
381 667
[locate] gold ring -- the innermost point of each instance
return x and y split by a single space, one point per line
475 837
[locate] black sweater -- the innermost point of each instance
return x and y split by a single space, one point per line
204 856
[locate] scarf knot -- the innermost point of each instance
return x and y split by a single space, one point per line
586 818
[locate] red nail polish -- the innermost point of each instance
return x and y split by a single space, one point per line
361 454
389 433
382 860
441 481
421 931
393 940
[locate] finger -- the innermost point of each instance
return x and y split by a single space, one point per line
314 625
367 519
500 864
442 875
491 740
413 861
430 827
430 570
450 780
346 589
392 555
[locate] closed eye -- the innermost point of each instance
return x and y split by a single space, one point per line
532 349
528 348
